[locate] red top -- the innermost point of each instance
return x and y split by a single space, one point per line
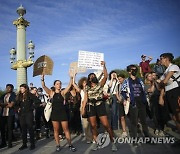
145 66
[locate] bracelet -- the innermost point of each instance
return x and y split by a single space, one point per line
42 80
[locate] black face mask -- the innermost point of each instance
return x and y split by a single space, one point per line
134 72
94 80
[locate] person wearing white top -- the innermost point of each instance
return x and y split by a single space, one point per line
121 78
170 84
85 123
113 83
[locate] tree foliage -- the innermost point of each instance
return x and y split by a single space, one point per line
176 61
1 92
120 71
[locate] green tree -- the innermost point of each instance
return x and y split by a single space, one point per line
121 71
1 92
176 61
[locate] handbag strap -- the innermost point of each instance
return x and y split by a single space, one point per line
114 87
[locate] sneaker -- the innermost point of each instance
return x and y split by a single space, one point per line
72 148
10 145
156 132
61 137
24 146
88 142
47 135
32 147
83 134
135 145
94 146
93 141
58 148
28 136
161 133
3 145
113 148
37 136
124 134
78 133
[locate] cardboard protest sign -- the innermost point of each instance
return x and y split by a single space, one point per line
90 60
75 69
43 65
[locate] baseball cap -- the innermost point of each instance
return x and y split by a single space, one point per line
143 56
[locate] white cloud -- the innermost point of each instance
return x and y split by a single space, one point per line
60 29
64 64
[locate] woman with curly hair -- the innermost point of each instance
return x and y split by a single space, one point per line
84 120
95 105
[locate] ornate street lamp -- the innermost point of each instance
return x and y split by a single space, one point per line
18 58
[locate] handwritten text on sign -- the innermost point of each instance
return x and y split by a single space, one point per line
90 60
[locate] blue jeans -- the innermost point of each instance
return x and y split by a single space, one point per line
114 113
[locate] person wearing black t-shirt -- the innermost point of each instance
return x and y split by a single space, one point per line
133 91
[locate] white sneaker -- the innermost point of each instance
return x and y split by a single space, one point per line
114 148
93 141
88 142
124 134
156 132
28 136
83 134
161 133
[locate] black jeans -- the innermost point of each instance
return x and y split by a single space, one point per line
40 113
114 113
135 113
160 113
74 119
26 122
6 128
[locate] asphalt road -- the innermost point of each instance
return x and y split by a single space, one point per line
47 146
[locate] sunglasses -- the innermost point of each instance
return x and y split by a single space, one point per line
133 69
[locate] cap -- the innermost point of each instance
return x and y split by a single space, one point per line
40 89
143 56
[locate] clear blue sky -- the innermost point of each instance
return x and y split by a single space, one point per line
122 29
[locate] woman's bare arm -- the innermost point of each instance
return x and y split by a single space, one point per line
47 90
103 81
67 88
84 102
75 85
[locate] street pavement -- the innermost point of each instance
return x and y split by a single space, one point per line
47 146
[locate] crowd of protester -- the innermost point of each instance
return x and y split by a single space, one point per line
79 108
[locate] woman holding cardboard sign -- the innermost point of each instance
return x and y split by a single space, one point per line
59 114
94 105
